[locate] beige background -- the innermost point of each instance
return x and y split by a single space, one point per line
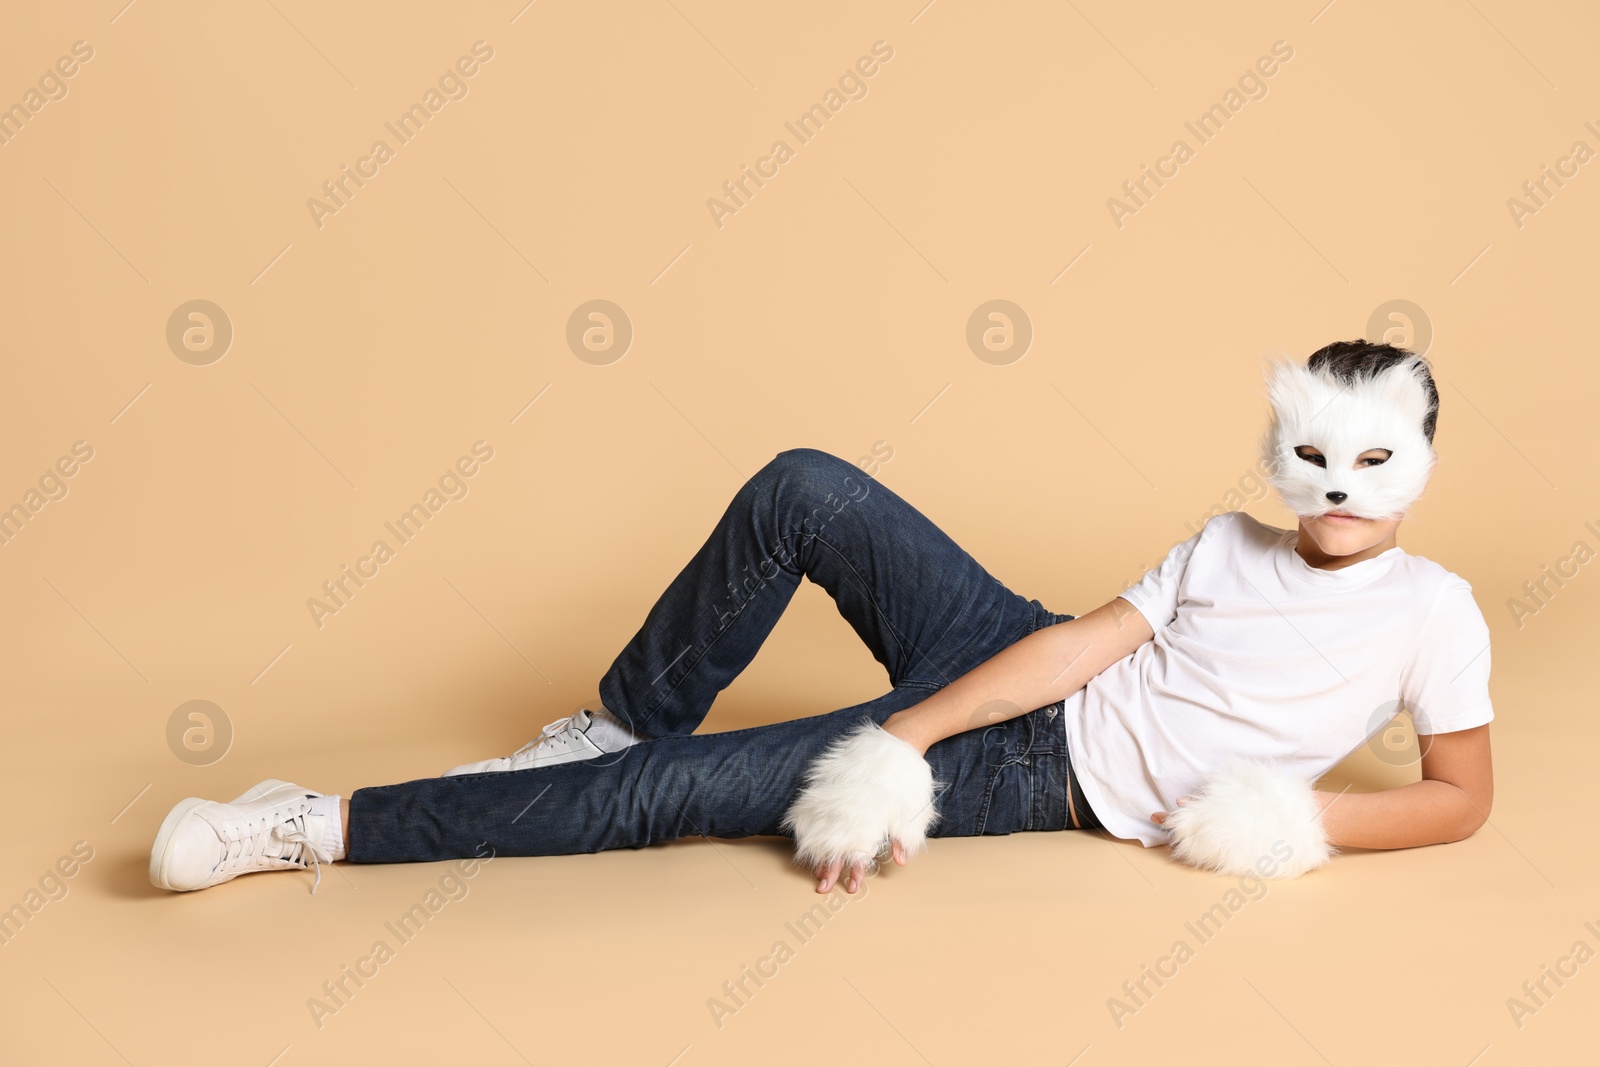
830 311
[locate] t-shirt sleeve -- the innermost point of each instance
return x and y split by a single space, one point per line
1446 685
1156 594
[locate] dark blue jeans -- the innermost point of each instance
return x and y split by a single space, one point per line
925 608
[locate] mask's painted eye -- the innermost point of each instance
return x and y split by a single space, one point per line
1375 460
1310 455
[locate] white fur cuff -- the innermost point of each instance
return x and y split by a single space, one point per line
868 787
1251 817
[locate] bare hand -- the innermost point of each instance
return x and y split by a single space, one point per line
828 874
1160 817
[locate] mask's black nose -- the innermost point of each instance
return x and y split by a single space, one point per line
1338 497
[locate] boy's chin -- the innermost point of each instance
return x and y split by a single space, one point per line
1346 536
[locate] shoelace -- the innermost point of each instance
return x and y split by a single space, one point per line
319 856
254 839
547 735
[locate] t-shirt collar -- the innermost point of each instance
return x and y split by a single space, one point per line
1352 574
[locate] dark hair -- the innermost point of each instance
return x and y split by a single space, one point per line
1353 361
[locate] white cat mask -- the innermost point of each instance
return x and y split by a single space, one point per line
1341 420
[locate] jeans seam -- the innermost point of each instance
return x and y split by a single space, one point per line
871 594
988 799
1036 799
1046 771
689 668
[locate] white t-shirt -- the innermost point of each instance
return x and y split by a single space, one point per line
1258 653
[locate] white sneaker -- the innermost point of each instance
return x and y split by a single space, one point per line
563 741
271 827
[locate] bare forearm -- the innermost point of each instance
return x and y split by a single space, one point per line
1046 666
1422 813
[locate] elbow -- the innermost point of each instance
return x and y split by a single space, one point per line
1473 819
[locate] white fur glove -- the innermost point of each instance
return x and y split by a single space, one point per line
1251 817
866 788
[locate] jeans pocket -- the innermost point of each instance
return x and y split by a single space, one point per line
1005 802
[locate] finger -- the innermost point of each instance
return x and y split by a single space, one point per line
1159 818
828 874
857 874
900 854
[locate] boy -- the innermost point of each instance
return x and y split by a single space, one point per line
1223 684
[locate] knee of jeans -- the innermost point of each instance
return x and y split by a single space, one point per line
808 474
801 461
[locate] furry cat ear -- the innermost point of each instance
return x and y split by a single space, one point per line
1293 398
1284 378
